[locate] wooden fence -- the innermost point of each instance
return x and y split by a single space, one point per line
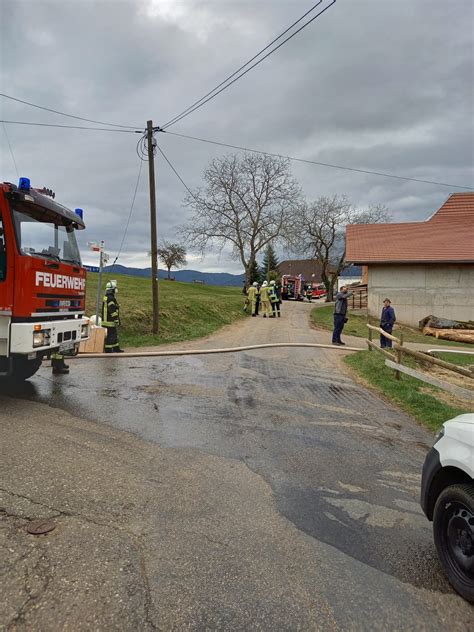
359 297
395 361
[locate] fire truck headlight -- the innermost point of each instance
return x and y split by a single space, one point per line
41 338
85 331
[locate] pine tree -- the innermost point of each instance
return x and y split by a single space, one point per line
254 273
269 264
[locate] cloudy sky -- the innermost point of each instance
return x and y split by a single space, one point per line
372 84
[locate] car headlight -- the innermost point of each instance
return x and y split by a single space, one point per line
41 337
85 331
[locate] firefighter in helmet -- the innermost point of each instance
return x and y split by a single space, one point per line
253 296
265 299
111 318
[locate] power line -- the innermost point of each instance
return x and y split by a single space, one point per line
170 122
176 172
11 150
213 94
97 129
80 118
321 164
129 214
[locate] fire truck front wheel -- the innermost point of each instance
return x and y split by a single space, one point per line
22 368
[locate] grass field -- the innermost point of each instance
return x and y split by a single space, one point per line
357 326
187 310
420 400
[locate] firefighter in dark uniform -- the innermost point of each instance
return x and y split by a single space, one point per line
111 318
275 299
59 367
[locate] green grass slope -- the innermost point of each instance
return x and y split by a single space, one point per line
187 310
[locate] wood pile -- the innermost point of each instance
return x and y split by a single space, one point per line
456 335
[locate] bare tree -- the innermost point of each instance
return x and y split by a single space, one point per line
172 255
246 202
318 231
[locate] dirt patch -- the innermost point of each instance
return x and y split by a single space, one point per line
452 377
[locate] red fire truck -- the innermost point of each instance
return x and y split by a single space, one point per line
319 290
42 280
292 287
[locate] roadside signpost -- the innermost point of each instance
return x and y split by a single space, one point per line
103 259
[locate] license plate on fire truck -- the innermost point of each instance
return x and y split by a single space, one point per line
66 346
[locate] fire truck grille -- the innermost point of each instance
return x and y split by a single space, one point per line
67 335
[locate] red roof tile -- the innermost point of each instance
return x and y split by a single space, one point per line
447 236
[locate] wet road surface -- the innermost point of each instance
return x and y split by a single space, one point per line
343 466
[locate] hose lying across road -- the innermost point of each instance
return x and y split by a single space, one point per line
183 352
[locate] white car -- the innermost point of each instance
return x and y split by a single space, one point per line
447 498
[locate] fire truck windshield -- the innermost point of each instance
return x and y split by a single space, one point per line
42 233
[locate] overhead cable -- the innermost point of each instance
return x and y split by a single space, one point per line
97 129
246 63
129 215
11 149
176 172
80 118
213 93
321 164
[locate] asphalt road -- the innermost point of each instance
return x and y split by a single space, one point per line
256 491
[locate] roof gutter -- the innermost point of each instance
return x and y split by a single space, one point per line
359 262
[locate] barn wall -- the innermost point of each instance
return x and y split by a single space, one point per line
444 290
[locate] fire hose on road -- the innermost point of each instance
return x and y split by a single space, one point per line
183 352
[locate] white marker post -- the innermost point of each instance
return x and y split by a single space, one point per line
98 247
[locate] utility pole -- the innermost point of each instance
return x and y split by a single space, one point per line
154 241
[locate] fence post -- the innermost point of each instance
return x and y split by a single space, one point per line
398 375
370 338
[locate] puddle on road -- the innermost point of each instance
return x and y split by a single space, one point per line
395 541
378 515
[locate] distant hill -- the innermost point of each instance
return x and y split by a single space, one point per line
187 276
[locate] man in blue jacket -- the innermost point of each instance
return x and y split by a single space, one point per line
387 321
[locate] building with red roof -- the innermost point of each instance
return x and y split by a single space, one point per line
309 268
423 267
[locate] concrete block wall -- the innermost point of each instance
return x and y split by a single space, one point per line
445 290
